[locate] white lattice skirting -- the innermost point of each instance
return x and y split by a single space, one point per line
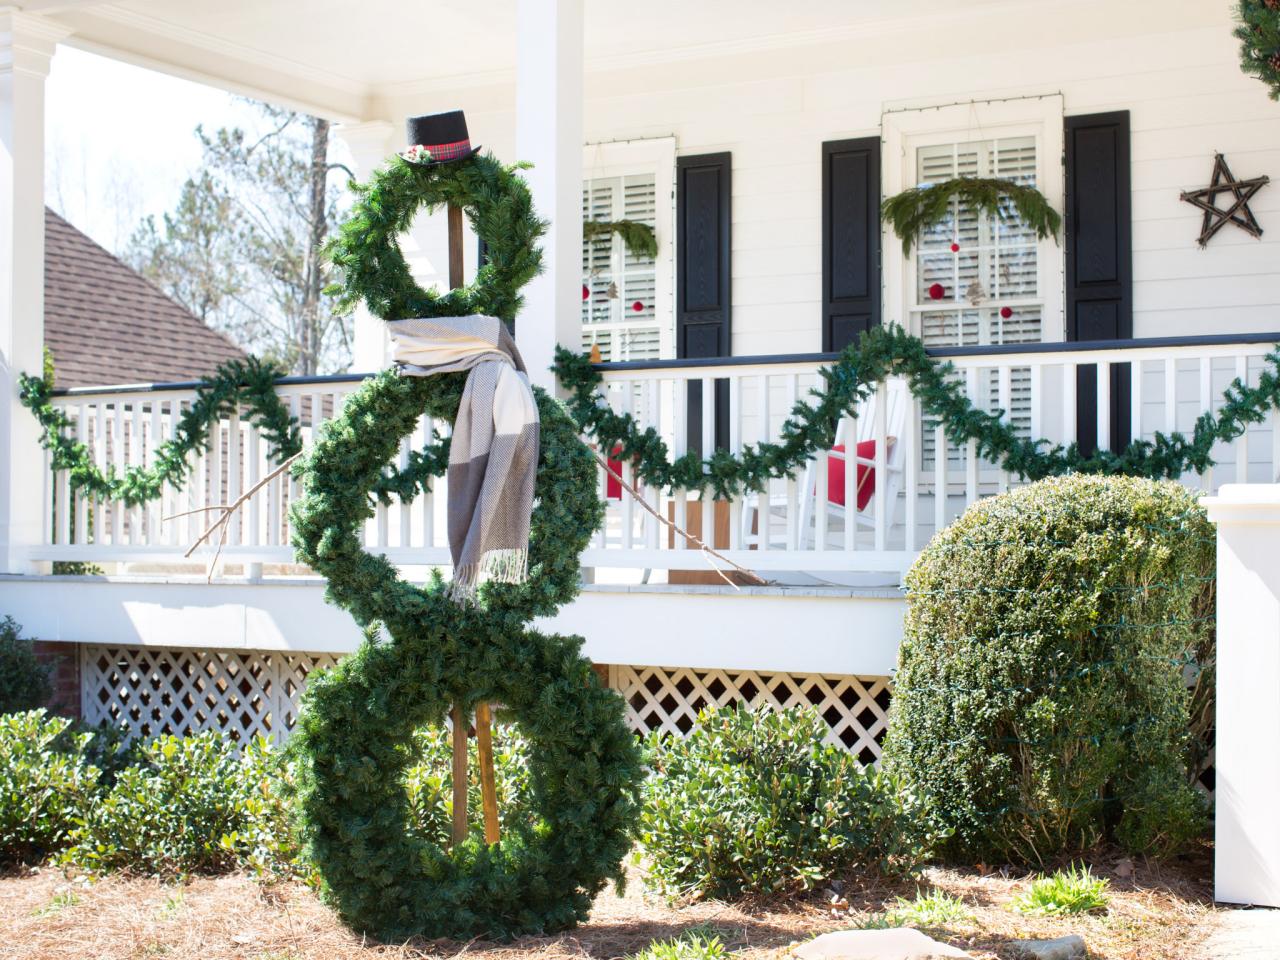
669 698
154 690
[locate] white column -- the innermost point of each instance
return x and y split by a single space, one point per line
370 144
26 45
549 93
1247 762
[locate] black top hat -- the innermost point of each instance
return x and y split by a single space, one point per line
438 138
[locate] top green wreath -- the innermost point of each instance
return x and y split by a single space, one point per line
500 209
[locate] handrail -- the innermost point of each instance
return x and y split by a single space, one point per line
940 353
948 353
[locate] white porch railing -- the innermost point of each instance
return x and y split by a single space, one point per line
824 521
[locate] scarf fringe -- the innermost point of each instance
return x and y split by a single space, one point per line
496 566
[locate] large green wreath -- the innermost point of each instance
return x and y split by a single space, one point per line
354 738
1259 35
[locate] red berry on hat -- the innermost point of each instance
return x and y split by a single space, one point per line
937 291
1006 312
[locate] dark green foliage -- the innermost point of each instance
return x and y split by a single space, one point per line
916 209
46 782
190 804
358 734
1040 700
237 384
1259 36
889 351
24 680
756 803
638 238
496 201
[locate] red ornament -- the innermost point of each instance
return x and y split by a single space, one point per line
637 306
1006 312
937 292
586 292
955 248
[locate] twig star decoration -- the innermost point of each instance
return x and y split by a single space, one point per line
1237 212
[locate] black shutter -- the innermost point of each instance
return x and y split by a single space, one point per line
703 277
850 240
1099 261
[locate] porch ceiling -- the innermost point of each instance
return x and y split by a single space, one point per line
316 54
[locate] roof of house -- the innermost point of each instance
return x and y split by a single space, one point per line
107 324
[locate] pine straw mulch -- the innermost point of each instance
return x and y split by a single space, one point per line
1156 913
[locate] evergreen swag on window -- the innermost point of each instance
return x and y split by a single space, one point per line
913 211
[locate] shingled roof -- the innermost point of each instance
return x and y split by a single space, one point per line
106 324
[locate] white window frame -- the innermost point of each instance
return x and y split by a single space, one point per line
905 131
656 156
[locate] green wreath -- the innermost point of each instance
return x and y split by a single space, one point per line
354 738
1259 35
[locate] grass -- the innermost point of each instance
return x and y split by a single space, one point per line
1070 891
696 943
928 911
61 901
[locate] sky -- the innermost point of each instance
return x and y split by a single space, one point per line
120 140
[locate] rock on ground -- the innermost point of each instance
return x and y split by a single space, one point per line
899 943
1063 948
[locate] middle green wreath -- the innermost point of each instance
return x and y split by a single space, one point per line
355 734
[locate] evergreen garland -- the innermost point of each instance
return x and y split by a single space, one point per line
915 210
237 384
891 351
638 238
498 205
1259 36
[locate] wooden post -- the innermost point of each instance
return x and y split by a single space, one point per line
459 775
484 737
488 788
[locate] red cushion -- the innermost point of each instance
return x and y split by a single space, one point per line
613 486
865 482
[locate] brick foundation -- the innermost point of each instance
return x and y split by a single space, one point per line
65 676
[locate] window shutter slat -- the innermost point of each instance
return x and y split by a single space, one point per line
850 240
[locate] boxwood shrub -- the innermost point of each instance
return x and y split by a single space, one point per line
46 783
757 803
24 680
1041 699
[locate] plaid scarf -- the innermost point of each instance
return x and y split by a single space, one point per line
493 456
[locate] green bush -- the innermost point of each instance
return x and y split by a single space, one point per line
755 802
46 782
193 804
1074 890
1041 701
429 783
24 680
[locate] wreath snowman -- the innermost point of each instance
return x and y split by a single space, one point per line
523 505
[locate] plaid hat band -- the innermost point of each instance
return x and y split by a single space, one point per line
443 151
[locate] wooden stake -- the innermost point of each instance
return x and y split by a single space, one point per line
488 788
459 775
455 247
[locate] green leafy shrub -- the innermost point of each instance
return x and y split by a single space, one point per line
1074 890
46 782
193 804
429 783
24 680
1041 702
755 802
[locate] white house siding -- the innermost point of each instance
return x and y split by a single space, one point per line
1172 65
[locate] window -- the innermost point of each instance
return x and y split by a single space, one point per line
974 280
627 307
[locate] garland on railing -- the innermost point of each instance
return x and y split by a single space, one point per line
881 353
237 384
